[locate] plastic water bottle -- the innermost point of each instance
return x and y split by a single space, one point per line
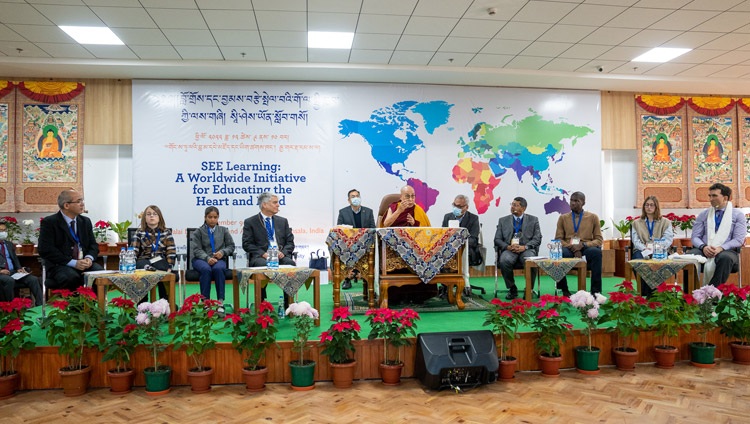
659 249
123 266
280 308
558 249
130 261
555 250
273 258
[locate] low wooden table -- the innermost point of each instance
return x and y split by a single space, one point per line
260 280
580 267
688 267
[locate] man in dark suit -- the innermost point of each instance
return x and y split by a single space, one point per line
9 265
469 221
355 214
518 237
261 229
67 244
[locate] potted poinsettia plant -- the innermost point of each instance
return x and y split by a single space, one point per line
252 334
303 318
626 309
337 343
150 319
121 340
505 318
72 324
194 323
11 225
704 300
394 327
669 314
587 357
552 327
15 331
733 309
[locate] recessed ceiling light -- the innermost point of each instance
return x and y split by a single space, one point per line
660 54
329 40
92 35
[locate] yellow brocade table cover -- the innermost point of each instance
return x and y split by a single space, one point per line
557 268
289 279
136 286
654 272
424 250
350 244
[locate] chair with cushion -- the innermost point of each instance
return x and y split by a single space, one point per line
383 208
193 276
179 280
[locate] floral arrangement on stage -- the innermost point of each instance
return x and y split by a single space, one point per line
194 323
11 225
15 330
122 333
303 317
72 324
393 326
253 333
705 300
100 231
337 340
27 231
623 226
121 229
588 305
626 309
552 326
670 312
733 311
683 222
505 318
150 318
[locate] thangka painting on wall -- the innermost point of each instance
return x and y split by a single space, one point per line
662 170
712 146
742 198
51 132
7 101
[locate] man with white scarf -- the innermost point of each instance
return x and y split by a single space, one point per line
719 234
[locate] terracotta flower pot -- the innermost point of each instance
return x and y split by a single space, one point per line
343 374
9 385
550 365
740 353
75 382
121 382
665 356
507 368
200 381
625 358
103 248
255 380
391 374
27 248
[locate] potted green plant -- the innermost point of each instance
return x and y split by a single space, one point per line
194 323
121 340
72 324
505 318
121 229
15 330
303 318
252 334
552 327
669 314
623 227
337 344
393 326
587 357
150 320
733 310
704 300
626 309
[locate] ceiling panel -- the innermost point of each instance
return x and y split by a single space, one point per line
129 17
372 42
230 19
419 25
477 28
591 14
155 52
462 45
229 38
281 21
177 18
190 37
567 33
543 11
381 24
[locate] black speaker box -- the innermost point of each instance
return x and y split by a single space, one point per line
456 359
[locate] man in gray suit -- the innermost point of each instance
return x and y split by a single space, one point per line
355 214
518 237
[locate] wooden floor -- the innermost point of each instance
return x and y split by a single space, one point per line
684 394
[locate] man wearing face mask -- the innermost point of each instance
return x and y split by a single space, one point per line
469 221
357 216
9 265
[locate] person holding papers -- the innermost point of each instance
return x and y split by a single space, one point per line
67 244
581 236
719 234
209 245
12 275
517 238
154 245
649 227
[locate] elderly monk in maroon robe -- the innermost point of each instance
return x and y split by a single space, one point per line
406 213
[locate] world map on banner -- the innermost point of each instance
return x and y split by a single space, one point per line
528 146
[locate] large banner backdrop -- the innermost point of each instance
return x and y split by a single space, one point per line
221 143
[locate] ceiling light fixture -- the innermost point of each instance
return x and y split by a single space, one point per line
660 55
92 35
329 40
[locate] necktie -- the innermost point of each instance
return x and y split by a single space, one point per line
75 247
5 257
269 228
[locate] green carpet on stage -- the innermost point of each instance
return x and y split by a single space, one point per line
358 306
